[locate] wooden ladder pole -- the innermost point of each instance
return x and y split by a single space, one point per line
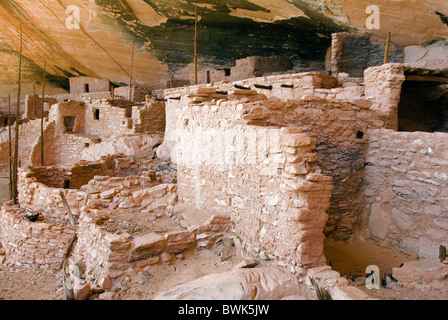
67 209
10 147
16 144
132 67
386 53
195 45
42 118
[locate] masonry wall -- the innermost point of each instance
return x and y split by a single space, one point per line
25 242
352 53
114 261
149 118
406 190
336 118
251 67
77 85
265 177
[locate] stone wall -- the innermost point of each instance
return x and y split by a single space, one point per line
108 120
265 177
78 85
42 242
383 87
251 67
283 87
137 93
149 118
114 261
352 53
335 117
406 190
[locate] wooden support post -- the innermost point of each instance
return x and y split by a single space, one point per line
67 209
132 67
42 118
386 53
10 147
195 45
16 144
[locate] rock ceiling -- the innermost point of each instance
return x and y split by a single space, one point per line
162 32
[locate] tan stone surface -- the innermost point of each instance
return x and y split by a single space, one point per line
243 284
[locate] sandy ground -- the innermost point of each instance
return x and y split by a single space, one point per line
351 259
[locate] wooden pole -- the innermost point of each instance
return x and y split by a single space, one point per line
386 54
42 118
195 45
132 67
16 144
10 147
67 209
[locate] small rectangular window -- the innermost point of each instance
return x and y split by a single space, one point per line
86 87
96 114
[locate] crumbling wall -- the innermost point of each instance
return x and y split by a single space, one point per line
265 177
406 190
115 260
34 105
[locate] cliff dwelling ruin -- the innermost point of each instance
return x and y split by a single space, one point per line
275 176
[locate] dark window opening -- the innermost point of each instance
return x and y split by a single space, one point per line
128 112
359 134
86 87
66 184
69 123
227 72
96 114
208 76
423 107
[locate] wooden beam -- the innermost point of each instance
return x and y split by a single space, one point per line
427 79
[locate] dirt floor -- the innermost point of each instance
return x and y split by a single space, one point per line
351 259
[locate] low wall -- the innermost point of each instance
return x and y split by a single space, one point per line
406 190
114 259
40 242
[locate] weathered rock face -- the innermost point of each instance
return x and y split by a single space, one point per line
163 33
243 284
